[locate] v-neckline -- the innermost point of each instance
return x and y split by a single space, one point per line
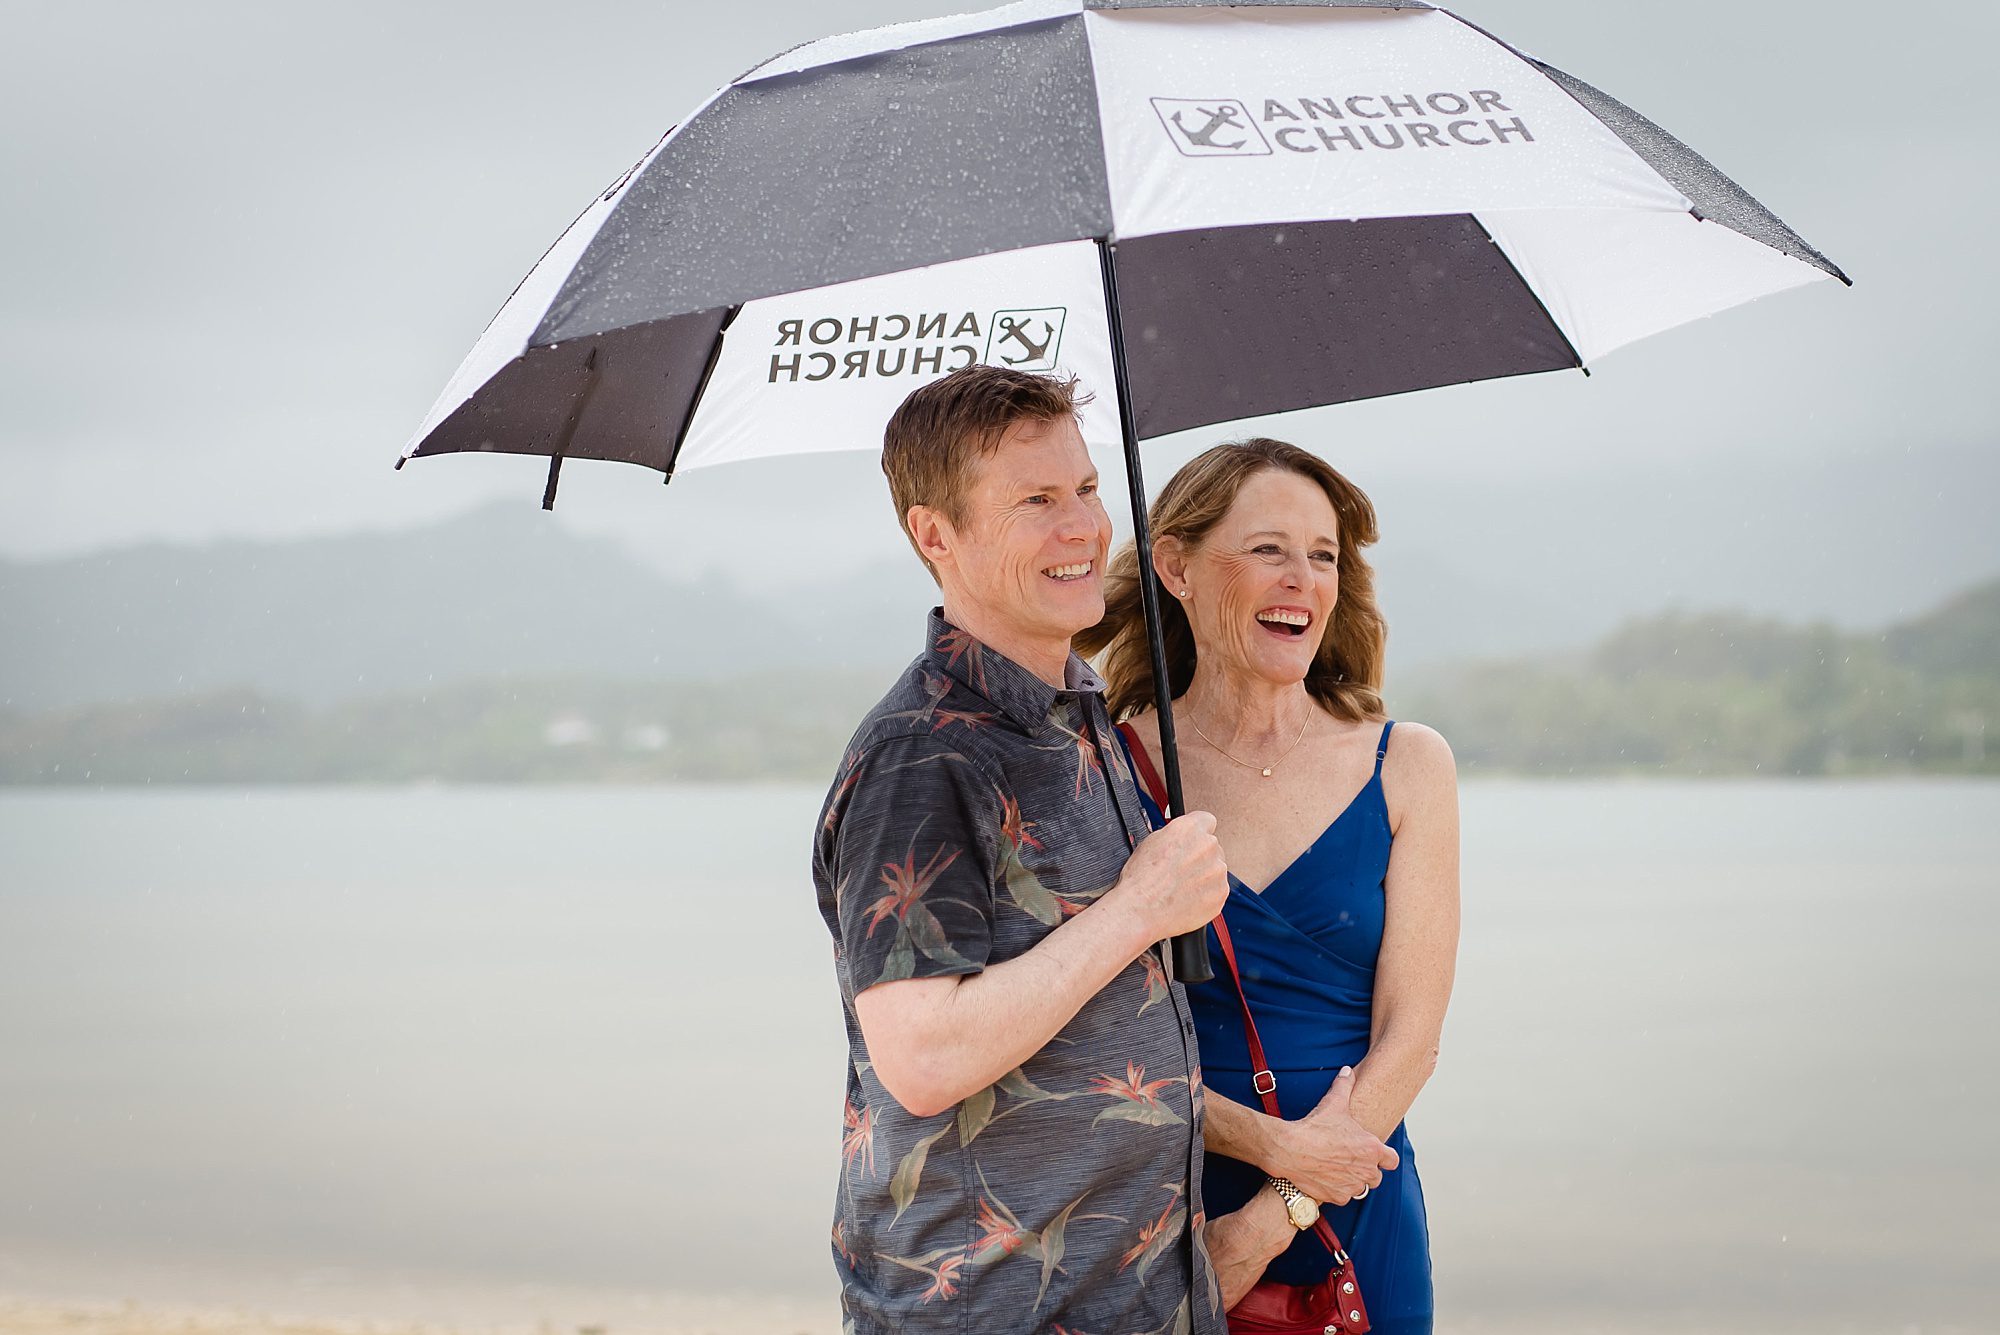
1286 870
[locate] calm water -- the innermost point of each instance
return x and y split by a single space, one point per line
1722 1057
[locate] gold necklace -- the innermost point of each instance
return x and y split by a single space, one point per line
1265 770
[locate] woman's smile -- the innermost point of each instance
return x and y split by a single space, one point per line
1285 621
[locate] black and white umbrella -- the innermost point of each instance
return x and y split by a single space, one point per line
1285 205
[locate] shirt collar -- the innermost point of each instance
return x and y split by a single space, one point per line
1016 692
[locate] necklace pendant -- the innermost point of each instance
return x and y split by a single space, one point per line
1267 772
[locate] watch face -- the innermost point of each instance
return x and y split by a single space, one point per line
1302 1211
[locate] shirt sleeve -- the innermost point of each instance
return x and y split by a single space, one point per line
908 851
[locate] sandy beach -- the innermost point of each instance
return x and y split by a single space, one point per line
24 1317
436 1313
59 1291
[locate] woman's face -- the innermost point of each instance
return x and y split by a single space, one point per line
1262 585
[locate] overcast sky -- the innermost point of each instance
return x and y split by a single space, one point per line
246 245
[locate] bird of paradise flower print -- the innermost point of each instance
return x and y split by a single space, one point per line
1156 1235
850 774
1028 891
955 644
916 925
1156 982
1138 1099
1015 827
840 1246
964 718
942 1266
1089 765
857 1146
1000 1233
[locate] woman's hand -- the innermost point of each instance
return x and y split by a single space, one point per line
1331 1157
1240 1245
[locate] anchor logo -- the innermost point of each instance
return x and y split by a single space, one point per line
1212 127
1205 136
1010 328
1026 340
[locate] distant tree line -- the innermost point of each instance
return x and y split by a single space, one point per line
1678 694
1725 694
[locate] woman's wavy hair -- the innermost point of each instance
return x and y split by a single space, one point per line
1346 674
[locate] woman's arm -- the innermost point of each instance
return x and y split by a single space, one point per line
1327 1153
1413 973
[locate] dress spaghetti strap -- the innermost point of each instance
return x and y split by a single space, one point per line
1382 747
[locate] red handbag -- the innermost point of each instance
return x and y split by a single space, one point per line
1333 1306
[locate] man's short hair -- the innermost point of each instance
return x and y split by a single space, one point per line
932 440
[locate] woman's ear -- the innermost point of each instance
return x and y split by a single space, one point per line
1170 564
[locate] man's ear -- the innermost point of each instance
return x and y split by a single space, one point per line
932 532
1170 564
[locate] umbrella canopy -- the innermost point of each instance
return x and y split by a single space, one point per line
1311 203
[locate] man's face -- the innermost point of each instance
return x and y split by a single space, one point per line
1030 552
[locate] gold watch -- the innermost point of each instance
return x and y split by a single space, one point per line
1303 1209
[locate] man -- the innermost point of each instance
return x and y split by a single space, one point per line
1023 1136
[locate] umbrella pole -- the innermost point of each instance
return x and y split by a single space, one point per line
1190 950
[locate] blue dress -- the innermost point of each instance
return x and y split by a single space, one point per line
1307 947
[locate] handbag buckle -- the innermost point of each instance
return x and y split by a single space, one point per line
1264 1082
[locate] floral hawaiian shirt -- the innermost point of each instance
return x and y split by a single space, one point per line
977 808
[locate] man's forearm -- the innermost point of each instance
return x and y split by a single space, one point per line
934 1041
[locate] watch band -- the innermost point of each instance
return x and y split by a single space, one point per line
1298 1205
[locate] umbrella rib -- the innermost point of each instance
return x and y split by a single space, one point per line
568 431
701 388
1576 358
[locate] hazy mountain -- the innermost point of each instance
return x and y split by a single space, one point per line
1963 636
495 592
1467 571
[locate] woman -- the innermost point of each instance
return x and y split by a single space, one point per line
1341 830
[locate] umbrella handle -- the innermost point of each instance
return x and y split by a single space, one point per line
1189 951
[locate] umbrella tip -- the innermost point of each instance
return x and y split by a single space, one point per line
555 472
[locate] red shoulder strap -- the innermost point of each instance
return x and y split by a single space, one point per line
1149 778
1261 1078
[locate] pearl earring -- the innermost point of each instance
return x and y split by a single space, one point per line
1184 593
